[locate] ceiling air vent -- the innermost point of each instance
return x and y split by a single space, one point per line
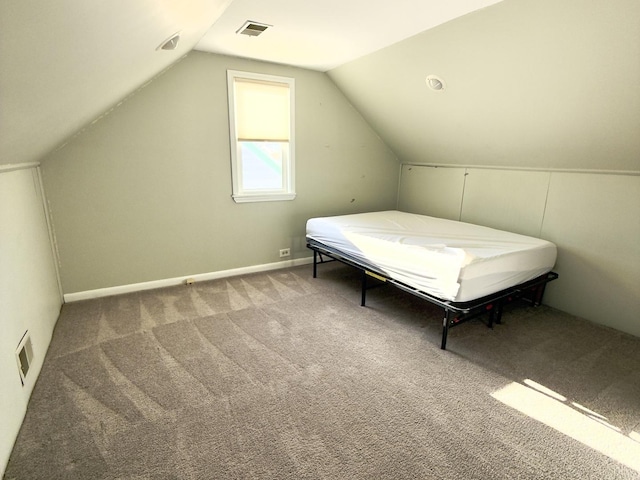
253 29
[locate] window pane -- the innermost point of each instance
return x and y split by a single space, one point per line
262 165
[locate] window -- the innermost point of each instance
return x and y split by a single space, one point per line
261 123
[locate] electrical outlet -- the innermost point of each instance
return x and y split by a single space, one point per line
285 252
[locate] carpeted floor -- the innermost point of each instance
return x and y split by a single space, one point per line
282 376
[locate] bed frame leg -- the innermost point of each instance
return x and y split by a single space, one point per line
364 288
445 329
495 314
315 264
498 317
539 293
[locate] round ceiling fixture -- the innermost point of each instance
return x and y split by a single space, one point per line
170 43
435 83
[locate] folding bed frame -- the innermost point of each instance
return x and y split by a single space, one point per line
455 313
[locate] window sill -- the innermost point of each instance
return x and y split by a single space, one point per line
273 197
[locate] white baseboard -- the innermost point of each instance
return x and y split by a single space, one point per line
169 282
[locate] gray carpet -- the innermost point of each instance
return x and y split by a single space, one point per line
282 376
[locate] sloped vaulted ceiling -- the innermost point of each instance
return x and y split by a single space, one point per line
64 63
529 84
323 35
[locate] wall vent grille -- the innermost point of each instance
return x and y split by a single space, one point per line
24 356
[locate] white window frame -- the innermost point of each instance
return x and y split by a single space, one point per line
239 194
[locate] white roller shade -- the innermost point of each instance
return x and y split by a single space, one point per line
262 110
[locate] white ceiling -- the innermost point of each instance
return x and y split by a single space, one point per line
321 35
65 63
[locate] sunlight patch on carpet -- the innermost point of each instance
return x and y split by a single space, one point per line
571 419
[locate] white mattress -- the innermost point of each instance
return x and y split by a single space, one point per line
451 260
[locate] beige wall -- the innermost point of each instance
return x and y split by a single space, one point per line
29 295
144 193
529 83
593 218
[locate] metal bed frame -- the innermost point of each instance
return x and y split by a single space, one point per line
455 313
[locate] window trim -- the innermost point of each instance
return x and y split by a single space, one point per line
288 191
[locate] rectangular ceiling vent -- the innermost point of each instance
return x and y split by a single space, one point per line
253 29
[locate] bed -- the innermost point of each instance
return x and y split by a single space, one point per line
466 269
